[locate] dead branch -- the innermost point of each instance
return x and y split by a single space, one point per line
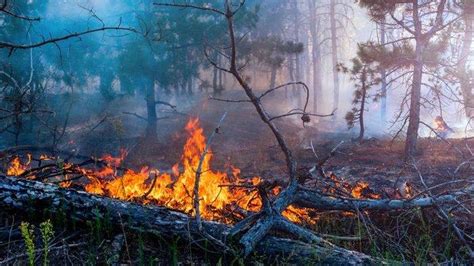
54 40
4 9
312 199
199 171
166 104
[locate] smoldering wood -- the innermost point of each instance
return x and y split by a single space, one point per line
20 195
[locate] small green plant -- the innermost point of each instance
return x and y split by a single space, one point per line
47 233
27 232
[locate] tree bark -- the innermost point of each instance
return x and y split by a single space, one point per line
334 54
415 97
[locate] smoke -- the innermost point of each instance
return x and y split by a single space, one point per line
91 74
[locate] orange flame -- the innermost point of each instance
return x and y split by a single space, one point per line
174 191
362 190
16 167
299 215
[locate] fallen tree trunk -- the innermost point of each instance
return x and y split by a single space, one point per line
20 195
315 200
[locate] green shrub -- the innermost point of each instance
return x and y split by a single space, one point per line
47 234
27 232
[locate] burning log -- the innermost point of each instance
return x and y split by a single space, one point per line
20 194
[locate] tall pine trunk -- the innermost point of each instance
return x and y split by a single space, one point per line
297 55
362 107
383 76
273 76
215 75
334 53
463 73
414 115
151 132
291 74
315 56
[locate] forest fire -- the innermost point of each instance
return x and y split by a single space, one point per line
346 132
219 193
175 190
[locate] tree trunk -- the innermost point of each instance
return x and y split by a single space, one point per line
221 82
334 54
297 55
37 198
414 114
362 107
316 56
291 74
215 84
383 75
190 85
151 111
463 72
273 77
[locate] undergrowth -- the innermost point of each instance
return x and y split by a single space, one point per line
398 237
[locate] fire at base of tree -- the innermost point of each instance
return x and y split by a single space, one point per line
250 132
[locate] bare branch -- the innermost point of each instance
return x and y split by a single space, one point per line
54 40
4 9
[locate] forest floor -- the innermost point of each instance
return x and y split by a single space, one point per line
419 235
